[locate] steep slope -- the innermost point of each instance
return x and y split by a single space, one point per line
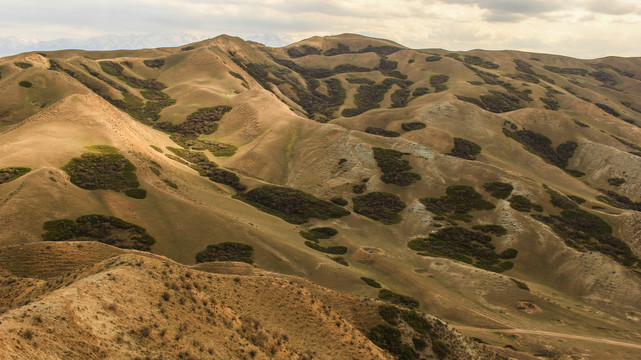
135 306
562 133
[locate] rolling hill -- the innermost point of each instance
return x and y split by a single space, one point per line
496 190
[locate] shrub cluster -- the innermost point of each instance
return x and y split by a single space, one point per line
380 206
617 200
411 126
457 203
541 145
226 251
368 96
465 149
335 250
371 282
303 50
460 244
25 84
105 229
608 109
398 299
22 64
318 233
438 82
499 190
497 230
523 204
478 61
395 170
11 173
616 181
381 132
154 63
293 206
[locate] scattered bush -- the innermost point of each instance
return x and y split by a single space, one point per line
438 82
226 251
25 84
411 126
359 188
335 250
102 172
616 181
395 170
136 193
105 229
523 204
319 233
465 149
22 64
398 299
440 349
371 282
460 244
383 207
12 173
293 206
155 63
499 190
381 132
339 201
497 230
509 253
458 202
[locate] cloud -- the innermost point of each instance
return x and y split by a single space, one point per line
544 25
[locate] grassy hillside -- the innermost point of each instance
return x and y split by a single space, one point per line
367 137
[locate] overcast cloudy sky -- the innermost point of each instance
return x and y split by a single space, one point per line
579 28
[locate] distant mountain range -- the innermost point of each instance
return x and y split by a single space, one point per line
11 45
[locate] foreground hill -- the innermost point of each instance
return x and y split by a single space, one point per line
498 189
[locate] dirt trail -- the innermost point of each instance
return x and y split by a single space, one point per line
553 334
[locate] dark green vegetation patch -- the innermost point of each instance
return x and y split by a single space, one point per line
559 200
523 204
22 64
464 245
497 230
379 206
411 126
457 202
478 61
318 233
616 181
620 201
334 250
496 101
368 96
398 299
371 282
154 63
25 84
585 231
105 229
438 82
291 205
541 146
381 132
227 251
12 173
104 171
499 190
199 162
465 149
395 169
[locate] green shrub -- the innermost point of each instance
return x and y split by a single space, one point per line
360 81
419 344
339 201
12 173
105 229
608 109
359 188
618 200
105 149
521 285
440 349
226 251
523 204
616 181
381 132
389 313
499 190
400 98
390 339
22 64
559 200
155 170
318 233
303 50
136 193
416 321
154 63
371 282
102 172
465 149
170 183
25 84
460 244
541 145
339 259
438 82
291 205
379 206
509 253
340 49
411 126
458 201
398 299
202 121
475 60
497 230
433 58
576 199
335 250
395 170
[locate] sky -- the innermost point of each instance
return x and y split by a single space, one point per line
578 28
